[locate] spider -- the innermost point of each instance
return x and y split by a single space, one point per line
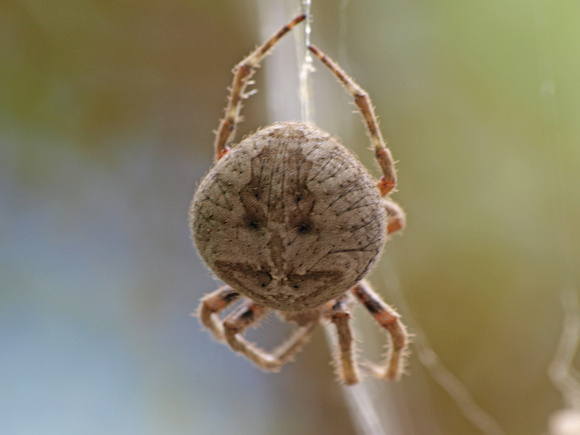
291 222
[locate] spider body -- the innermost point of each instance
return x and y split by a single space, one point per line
289 218
291 221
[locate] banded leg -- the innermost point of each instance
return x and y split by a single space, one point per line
346 366
246 315
388 318
396 219
211 305
383 155
243 71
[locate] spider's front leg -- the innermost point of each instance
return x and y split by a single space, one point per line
387 318
346 367
249 313
211 305
237 323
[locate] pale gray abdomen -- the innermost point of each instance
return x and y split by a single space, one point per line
289 217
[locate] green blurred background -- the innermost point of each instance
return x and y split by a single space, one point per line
106 118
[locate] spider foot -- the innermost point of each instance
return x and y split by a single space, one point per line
388 319
392 371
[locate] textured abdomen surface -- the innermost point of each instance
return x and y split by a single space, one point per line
289 217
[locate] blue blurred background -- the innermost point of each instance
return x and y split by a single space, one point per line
106 118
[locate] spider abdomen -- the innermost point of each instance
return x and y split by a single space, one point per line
289 217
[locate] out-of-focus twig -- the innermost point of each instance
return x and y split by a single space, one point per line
567 421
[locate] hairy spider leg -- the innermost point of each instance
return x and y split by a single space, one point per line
383 155
243 71
396 220
387 318
232 328
346 367
211 305
246 315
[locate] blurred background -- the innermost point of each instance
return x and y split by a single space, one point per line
106 118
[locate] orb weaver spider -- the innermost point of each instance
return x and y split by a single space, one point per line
291 221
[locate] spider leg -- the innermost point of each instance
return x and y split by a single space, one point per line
242 73
388 318
396 219
346 367
294 343
211 305
249 313
383 155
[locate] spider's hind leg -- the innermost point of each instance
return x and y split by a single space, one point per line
243 71
396 219
383 155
